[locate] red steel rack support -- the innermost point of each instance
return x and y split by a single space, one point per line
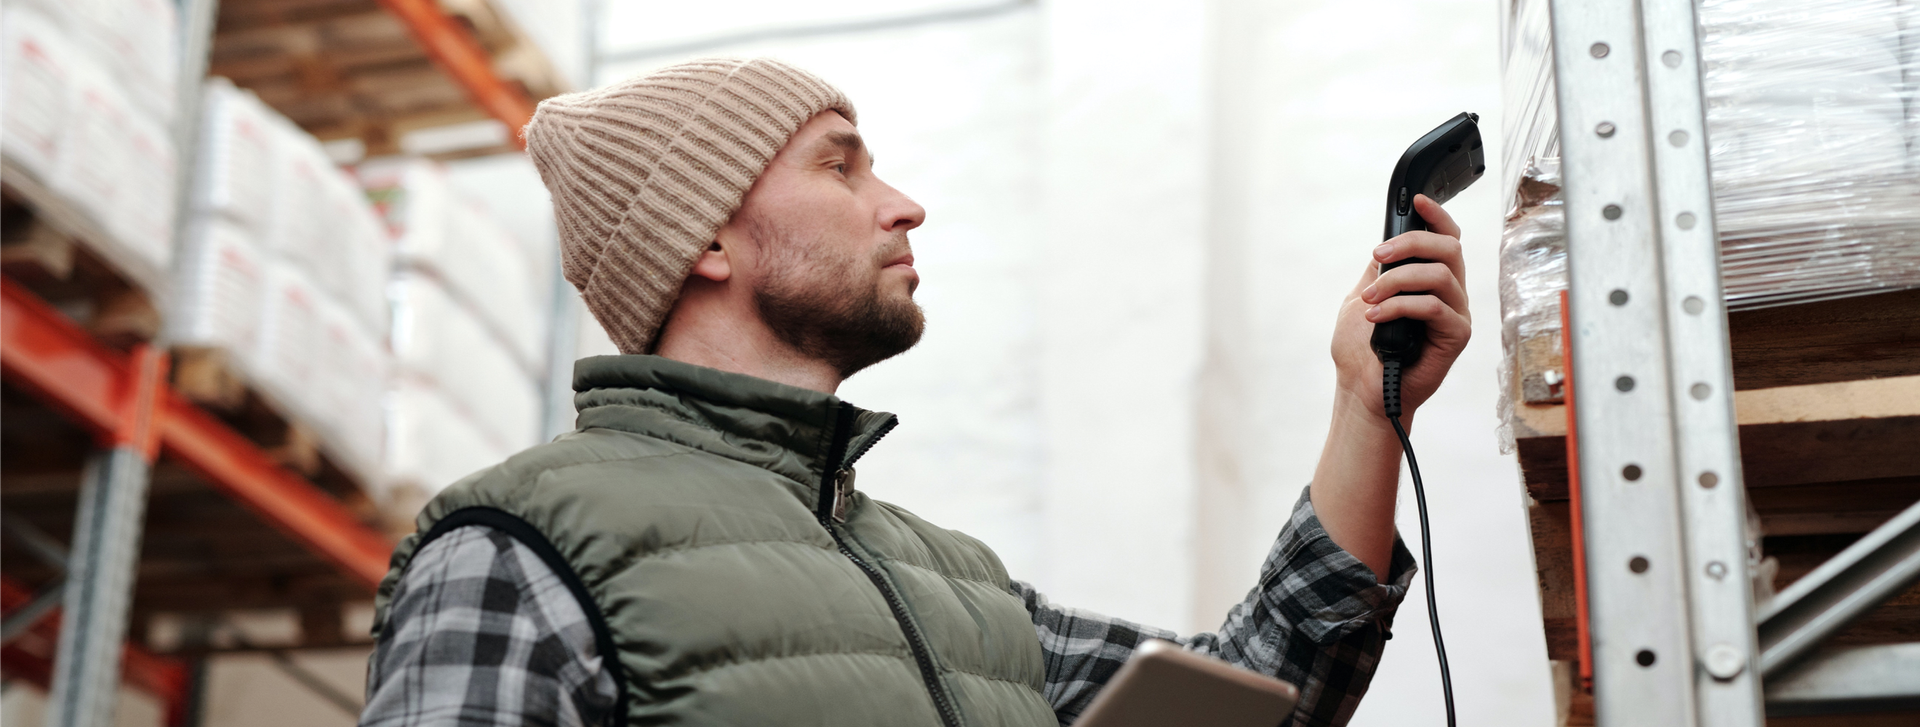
44 353
453 47
31 657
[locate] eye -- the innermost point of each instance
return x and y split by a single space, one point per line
841 167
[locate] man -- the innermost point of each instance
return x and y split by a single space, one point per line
697 551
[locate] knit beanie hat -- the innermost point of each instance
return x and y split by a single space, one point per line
644 172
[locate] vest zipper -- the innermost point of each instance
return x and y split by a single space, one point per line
922 654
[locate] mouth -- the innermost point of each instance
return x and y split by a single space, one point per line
904 261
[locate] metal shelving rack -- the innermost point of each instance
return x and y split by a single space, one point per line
123 401
1670 632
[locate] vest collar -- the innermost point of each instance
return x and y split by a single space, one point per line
785 429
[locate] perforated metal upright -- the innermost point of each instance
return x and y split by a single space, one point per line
1672 618
113 490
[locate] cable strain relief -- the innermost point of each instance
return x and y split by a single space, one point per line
1390 387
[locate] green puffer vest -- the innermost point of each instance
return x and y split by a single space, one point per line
687 513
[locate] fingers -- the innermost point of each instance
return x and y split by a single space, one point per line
1428 278
1427 246
1443 321
1437 218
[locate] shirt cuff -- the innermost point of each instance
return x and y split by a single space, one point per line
1323 590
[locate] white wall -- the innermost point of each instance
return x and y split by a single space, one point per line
1319 99
1125 180
953 114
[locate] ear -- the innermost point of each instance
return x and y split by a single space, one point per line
713 264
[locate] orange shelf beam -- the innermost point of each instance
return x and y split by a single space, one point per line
453 48
46 354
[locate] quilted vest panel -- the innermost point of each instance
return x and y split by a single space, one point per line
727 598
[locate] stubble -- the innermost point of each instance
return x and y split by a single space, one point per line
828 305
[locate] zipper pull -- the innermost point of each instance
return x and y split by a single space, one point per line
842 493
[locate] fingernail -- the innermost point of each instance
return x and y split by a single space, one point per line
1383 251
1373 312
1367 295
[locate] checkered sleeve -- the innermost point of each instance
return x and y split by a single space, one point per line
484 633
1318 618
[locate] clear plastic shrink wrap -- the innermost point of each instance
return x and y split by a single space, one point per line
468 335
1813 123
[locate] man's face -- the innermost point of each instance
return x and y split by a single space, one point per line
823 244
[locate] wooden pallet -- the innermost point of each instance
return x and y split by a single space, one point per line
68 259
348 69
1827 396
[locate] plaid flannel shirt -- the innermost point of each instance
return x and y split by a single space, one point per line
482 632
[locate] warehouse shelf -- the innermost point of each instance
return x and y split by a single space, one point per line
373 71
246 508
1827 401
227 526
1682 462
64 255
1825 459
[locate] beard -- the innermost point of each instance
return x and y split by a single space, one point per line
818 303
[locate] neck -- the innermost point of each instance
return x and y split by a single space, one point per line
741 347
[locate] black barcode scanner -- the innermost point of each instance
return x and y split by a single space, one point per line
1439 165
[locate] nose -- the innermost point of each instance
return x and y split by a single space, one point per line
901 213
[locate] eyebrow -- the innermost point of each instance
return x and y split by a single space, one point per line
846 141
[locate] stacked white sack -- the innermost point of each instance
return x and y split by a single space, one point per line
143 216
285 266
70 123
36 83
444 234
438 341
219 288
322 222
116 164
352 388
137 41
290 355
234 178
91 170
315 360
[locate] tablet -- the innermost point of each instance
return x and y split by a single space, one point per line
1164 685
